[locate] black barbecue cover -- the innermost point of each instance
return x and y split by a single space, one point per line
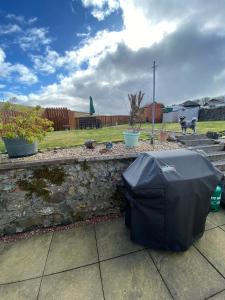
168 197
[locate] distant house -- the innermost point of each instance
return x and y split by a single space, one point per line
213 103
188 109
79 114
190 103
146 115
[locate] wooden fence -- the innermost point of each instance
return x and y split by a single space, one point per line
103 120
62 118
113 120
7 116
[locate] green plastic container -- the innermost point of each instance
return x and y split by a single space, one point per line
215 199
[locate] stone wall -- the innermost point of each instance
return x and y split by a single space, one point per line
46 193
212 114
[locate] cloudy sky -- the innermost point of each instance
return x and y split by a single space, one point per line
59 52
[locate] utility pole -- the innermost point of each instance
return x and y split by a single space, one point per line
153 104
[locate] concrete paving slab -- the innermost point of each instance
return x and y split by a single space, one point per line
219 296
25 290
217 218
187 274
212 246
23 259
71 249
132 277
223 227
114 239
209 225
80 284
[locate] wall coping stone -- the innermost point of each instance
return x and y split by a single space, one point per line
66 160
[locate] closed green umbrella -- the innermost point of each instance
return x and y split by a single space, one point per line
92 109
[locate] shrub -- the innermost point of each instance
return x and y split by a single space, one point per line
23 123
135 110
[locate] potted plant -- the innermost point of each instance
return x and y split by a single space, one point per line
131 137
163 133
21 129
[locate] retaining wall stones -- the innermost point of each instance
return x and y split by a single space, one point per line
46 193
212 114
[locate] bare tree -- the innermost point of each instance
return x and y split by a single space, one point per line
135 108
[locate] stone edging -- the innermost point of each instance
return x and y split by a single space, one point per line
66 160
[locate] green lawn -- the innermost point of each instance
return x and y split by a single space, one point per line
114 134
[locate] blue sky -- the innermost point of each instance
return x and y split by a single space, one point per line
30 29
59 52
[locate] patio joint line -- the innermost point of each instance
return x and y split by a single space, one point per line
216 226
91 264
121 255
221 227
100 271
217 293
18 281
68 270
45 265
209 261
163 280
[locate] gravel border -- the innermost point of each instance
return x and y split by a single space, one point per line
26 235
69 155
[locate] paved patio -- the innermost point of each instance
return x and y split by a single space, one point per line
99 262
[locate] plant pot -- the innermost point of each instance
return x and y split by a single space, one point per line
163 136
19 147
131 139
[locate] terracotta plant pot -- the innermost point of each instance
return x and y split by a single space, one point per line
163 136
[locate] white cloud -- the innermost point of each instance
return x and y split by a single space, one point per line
21 19
14 17
33 38
48 63
9 28
139 30
85 34
17 72
32 20
91 50
25 74
101 8
186 38
136 35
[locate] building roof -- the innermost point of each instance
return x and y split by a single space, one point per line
190 103
150 104
81 114
214 101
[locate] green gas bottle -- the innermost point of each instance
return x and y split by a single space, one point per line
216 198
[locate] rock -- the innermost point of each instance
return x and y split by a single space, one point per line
86 191
3 177
71 191
90 144
57 197
57 218
6 187
103 151
82 190
213 135
171 138
45 211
